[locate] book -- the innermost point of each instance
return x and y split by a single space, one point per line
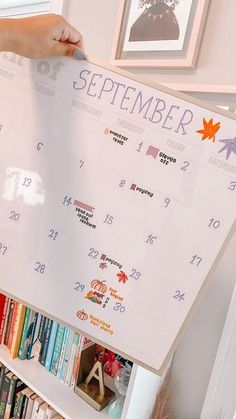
26 333
2 303
42 411
84 343
4 392
37 403
8 322
36 348
50 412
30 405
39 345
27 397
63 350
21 402
13 324
72 358
17 329
51 344
17 402
16 385
45 343
66 359
34 336
4 370
57 349
3 318
2 306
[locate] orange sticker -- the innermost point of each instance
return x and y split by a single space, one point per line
209 130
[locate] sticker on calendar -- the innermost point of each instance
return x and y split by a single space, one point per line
85 213
117 137
101 324
141 190
106 259
163 157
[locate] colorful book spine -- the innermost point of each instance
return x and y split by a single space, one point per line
63 350
4 317
36 349
17 331
12 329
72 358
75 369
23 349
2 305
51 344
67 356
45 342
30 406
17 402
27 397
4 370
57 349
16 385
8 322
4 392
34 335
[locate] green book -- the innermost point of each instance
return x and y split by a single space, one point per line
25 341
57 349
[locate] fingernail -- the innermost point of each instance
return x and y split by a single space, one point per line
79 55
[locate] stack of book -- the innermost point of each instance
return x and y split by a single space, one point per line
18 401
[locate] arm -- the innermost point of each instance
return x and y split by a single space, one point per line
40 36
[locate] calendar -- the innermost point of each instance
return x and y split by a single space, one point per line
116 199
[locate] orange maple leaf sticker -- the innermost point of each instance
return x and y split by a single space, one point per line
122 277
209 129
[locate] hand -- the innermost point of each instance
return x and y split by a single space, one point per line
41 36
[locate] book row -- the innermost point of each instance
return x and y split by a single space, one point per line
29 335
18 401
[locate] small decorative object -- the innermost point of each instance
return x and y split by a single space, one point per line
90 386
121 380
99 286
122 277
158 33
82 315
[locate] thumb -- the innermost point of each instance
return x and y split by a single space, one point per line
69 50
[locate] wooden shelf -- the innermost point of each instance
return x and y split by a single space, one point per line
47 386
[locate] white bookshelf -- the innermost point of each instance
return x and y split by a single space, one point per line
138 403
47 386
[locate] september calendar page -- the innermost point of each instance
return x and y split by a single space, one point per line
115 200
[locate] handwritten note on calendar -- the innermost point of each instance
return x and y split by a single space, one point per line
115 200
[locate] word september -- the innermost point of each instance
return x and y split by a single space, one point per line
130 99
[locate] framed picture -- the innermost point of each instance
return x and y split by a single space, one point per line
158 33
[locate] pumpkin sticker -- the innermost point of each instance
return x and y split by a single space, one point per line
99 286
82 315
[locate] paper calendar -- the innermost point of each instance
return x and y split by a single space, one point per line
116 198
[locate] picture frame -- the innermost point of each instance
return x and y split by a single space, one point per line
154 47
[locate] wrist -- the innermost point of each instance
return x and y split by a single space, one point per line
7 34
